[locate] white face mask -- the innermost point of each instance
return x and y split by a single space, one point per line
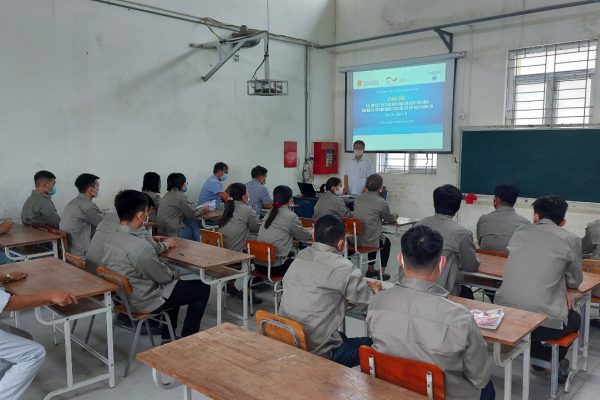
145 222
358 153
339 191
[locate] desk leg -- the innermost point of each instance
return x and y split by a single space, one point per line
187 393
55 250
219 299
526 366
109 339
68 352
586 328
246 266
508 380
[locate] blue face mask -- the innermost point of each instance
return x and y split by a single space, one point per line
224 177
52 192
184 189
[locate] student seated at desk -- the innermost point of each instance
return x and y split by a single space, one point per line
151 186
5 226
316 288
371 209
212 190
590 247
176 214
280 228
495 229
39 208
82 215
257 191
415 320
459 248
544 260
330 202
155 286
21 357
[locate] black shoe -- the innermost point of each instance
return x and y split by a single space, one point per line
255 300
375 274
564 367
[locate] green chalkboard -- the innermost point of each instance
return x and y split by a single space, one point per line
561 161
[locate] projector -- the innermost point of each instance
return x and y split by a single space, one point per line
267 87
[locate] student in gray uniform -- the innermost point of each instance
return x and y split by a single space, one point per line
544 260
280 228
82 215
371 209
591 248
155 286
39 208
316 288
330 202
176 214
459 248
495 229
415 320
151 186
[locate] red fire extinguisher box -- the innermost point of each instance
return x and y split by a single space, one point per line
325 158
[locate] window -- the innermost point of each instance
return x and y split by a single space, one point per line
407 163
551 85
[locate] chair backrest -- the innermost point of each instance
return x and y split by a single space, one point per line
416 376
213 238
352 226
63 235
308 222
264 252
282 329
114 277
492 253
75 260
592 266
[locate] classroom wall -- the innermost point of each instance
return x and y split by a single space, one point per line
480 77
88 87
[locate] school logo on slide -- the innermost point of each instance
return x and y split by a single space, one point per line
359 83
391 80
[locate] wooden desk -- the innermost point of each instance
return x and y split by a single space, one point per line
227 363
21 235
214 215
49 273
203 258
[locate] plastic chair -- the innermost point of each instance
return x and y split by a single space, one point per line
353 227
416 376
265 253
565 341
281 329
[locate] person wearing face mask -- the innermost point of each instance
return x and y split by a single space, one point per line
212 190
82 215
155 286
281 227
414 319
39 208
316 289
330 202
258 192
176 214
357 170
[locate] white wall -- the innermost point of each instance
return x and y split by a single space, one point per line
87 87
480 77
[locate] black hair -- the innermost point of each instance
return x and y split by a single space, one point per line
258 171
220 166
176 180
551 207
374 182
130 202
281 195
85 181
329 229
332 182
236 192
151 182
43 176
507 193
421 248
359 142
446 200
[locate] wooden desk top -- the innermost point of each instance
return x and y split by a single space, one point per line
204 256
226 362
50 273
515 325
21 235
212 215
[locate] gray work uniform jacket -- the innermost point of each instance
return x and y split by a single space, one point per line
330 203
174 208
458 249
372 210
315 290
591 245
240 226
415 320
281 233
80 218
128 252
495 229
156 198
544 259
40 210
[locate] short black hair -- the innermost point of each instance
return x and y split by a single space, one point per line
507 193
374 182
331 182
329 229
551 207
258 171
151 182
421 248
43 176
447 199
220 166
359 142
85 181
130 202
176 180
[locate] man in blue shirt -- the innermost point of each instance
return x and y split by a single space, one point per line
257 191
213 189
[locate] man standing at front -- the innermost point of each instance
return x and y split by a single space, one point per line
357 170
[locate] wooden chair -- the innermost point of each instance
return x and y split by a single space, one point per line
308 222
281 329
122 306
492 253
265 253
353 227
211 237
416 376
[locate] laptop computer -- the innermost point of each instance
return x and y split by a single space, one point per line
307 189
